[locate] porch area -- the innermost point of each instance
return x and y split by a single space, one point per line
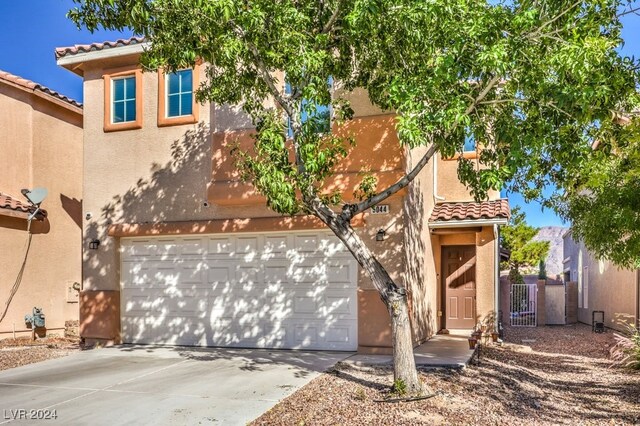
440 351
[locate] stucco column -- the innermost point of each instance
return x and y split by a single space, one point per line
571 302
540 315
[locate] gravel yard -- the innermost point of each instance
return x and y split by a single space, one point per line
23 351
558 375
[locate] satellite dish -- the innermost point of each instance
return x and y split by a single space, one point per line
36 195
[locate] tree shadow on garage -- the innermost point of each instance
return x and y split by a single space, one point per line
177 191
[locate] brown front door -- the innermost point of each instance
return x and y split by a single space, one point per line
459 283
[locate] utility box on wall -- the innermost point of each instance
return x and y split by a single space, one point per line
73 291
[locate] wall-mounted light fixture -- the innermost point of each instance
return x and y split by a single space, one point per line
381 235
94 244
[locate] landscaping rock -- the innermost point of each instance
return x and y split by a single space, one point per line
563 378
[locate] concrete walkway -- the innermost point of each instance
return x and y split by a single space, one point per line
441 351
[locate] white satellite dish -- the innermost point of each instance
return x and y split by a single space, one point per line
36 195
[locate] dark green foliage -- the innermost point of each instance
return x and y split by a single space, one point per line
517 238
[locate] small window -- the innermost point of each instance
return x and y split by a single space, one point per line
469 147
176 97
469 144
179 93
122 99
322 113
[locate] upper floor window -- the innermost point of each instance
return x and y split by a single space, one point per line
321 114
176 97
469 144
123 99
469 147
180 93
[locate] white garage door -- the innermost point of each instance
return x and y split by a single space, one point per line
270 290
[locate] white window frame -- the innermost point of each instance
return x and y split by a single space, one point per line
124 100
179 94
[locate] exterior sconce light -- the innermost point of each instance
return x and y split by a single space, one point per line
381 235
94 244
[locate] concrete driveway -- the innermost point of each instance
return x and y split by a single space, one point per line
158 385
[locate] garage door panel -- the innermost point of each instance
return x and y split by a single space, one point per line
247 245
275 246
191 247
275 274
219 274
158 307
220 245
279 290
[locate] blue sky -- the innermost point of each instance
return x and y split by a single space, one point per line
31 30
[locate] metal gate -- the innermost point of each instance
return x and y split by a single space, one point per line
523 307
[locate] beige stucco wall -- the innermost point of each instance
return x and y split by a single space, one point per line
610 289
606 288
41 146
420 254
449 186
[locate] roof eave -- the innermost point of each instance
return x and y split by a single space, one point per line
467 223
46 96
20 214
74 62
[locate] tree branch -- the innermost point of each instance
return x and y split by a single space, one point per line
332 20
350 210
629 11
277 94
264 72
560 15
502 101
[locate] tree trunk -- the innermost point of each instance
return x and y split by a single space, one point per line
395 298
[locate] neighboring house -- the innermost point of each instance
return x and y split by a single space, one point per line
40 146
602 286
178 250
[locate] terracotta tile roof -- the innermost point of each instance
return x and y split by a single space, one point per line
84 48
32 86
10 203
497 209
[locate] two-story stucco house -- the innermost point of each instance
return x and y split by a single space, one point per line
178 250
40 146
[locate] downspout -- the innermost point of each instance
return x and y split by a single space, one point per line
496 236
436 197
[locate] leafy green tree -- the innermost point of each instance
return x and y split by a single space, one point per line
534 82
517 237
602 202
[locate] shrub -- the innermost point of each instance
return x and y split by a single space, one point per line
626 351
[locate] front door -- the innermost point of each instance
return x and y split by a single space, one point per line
459 282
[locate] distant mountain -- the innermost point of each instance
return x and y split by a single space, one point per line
553 234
